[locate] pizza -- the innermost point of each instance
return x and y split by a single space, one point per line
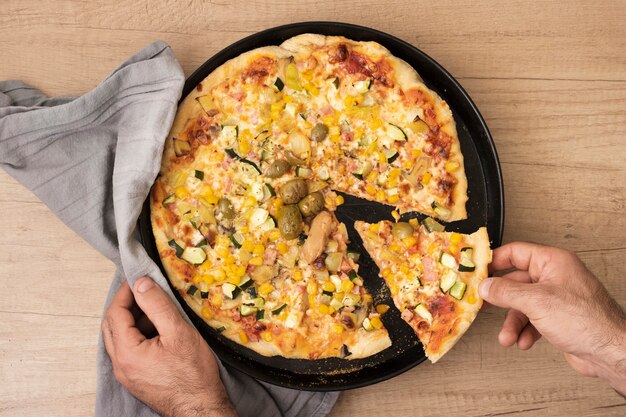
433 276
243 210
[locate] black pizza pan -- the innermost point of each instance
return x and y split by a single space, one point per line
485 208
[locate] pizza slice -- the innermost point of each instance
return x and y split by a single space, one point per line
433 276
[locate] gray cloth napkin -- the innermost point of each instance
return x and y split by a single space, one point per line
92 161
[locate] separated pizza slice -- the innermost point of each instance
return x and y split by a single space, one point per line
433 276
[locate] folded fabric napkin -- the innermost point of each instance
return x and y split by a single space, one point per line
92 161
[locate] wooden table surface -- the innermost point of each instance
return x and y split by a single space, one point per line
549 78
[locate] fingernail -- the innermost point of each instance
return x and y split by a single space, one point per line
483 287
144 285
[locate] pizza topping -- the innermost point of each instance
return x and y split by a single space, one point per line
448 261
278 168
423 312
293 191
466 264
290 221
402 230
318 236
448 280
312 204
458 290
433 225
181 147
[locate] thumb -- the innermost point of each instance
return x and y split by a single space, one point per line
507 293
158 307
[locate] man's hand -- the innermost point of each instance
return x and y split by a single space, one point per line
552 293
160 358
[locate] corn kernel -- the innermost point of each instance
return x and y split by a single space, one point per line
382 308
416 152
426 178
338 328
386 272
339 200
471 298
244 147
395 173
312 301
207 313
282 248
347 286
382 158
370 189
312 89
222 251
249 201
323 309
371 177
331 309
328 286
278 203
367 298
453 249
376 322
311 287
452 166
375 123
393 199
342 169
233 279
219 275
256 261
265 289
267 336
395 247
297 275
287 99
338 296
404 270
258 250
395 215
216 299
455 237
409 241
407 165
247 246
374 227
334 130
274 235
243 337
181 192
196 279
380 195
414 222
208 279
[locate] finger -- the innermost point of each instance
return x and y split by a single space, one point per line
120 320
518 276
513 325
507 293
528 337
518 255
159 308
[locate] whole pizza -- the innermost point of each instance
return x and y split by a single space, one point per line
253 171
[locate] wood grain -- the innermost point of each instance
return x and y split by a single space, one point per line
550 79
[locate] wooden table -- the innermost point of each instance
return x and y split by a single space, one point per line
549 78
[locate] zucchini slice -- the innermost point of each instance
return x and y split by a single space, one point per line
447 280
304 172
230 290
323 173
448 261
363 169
336 304
278 84
354 256
176 246
442 212
279 309
169 199
237 239
268 191
257 302
192 290
433 225
363 86
396 133
193 255
458 290
234 155
220 329
252 164
367 324
230 133
466 264
335 82
260 314
245 283
258 217
268 224
352 275
246 310
423 312
198 174
391 155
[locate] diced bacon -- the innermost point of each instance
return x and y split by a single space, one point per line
238 95
407 315
429 269
347 136
345 266
228 185
326 110
269 257
236 315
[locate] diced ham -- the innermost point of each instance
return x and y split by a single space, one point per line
269 257
429 269
326 110
407 315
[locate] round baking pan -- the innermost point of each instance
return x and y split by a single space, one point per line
485 208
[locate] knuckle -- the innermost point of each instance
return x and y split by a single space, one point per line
120 376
